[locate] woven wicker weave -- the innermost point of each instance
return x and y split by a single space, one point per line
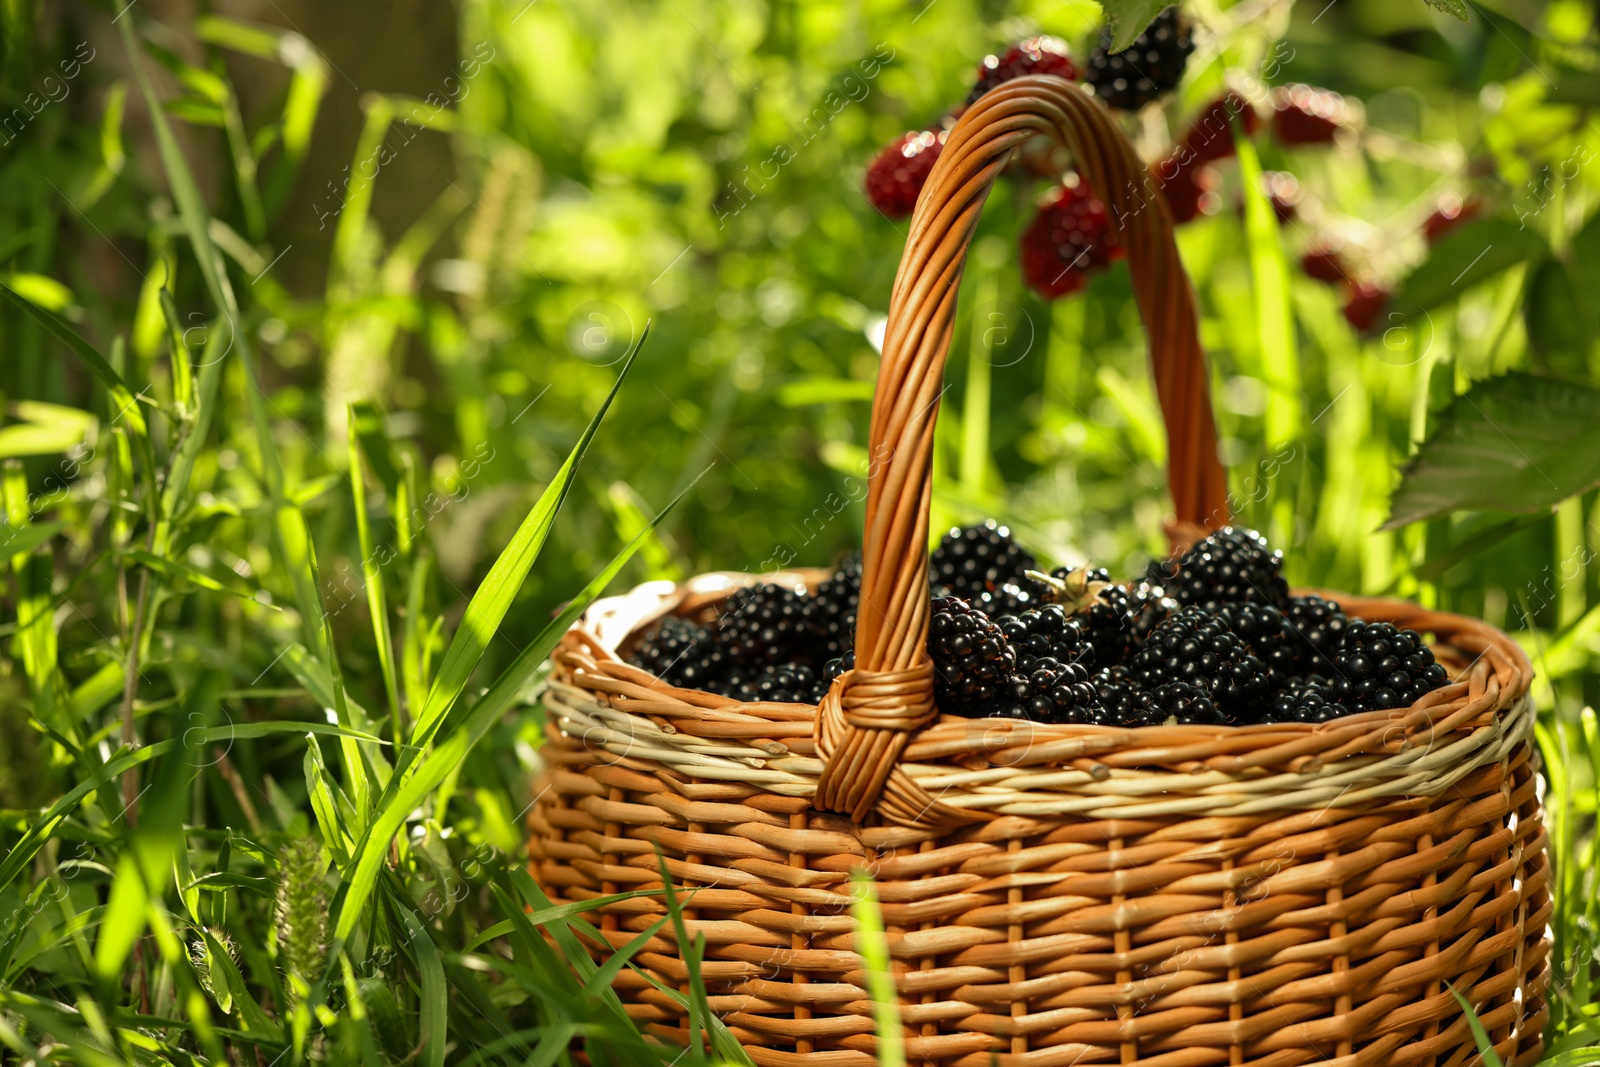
1172 896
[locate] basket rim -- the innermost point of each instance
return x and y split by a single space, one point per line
985 768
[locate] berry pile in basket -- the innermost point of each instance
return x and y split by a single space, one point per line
1212 638
1072 236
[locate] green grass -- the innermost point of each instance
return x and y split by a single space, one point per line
299 488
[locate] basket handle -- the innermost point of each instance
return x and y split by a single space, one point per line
867 718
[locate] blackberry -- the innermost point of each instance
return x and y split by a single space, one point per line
1382 666
1012 598
1122 702
1055 692
784 683
973 560
971 660
763 625
1311 702
1115 619
1364 302
1036 55
838 665
1184 703
1324 263
1320 626
1195 647
1071 238
1268 633
1151 66
1232 566
681 653
1044 633
830 612
1305 115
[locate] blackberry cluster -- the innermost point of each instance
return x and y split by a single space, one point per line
1319 626
764 625
830 613
1212 639
973 560
972 661
1056 692
1196 647
1231 566
1149 68
1382 666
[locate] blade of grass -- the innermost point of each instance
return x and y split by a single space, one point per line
372 577
873 946
432 1020
392 811
1479 1035
1275 336
489 604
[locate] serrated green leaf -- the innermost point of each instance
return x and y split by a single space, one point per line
1454 8
1514 443
1128 18
1462 259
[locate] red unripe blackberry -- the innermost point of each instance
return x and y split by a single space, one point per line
1381 666
1310 702
1319 626
972 664
1182 703
1036 55
1070 238
1324 263
973 560
1210 135
1305 115
1052 691
1145 70
1232 566
765 625
1364 302
1451 212
1188 188
830 612
895 179
1196 647
681 653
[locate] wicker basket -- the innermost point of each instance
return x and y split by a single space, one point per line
1172 896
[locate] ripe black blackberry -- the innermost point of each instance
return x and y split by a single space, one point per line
1055 692
1266 630
763 625
785 683
1382 666
1044 633
680 652
1012 598
1319 626
1122 702
1232 566
1115 618
973 560
830 612
1151 66
1311 702
1195 647
837 666
1183 703
971 660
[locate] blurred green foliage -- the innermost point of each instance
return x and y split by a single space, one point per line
695 166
